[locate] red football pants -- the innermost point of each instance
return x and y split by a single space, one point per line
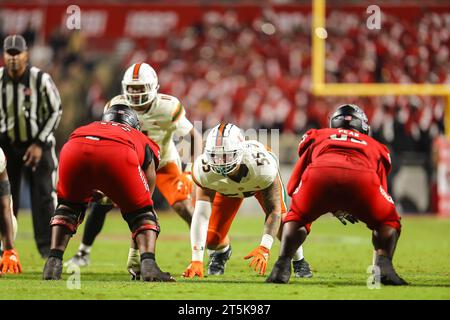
328 189
106 165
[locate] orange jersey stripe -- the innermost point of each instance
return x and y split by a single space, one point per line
176 114
137 66
281 191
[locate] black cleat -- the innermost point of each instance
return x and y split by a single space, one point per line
387 274
281 272
53 269
217 262
302 269
152 273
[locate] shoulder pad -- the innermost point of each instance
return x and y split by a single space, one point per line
171 105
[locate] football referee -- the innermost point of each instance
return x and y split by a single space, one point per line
30 111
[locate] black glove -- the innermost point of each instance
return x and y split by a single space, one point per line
342 216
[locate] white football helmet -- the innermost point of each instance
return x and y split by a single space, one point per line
224 148
140 84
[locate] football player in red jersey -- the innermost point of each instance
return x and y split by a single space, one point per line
111 155
341 170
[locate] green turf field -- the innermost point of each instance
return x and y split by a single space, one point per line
339 256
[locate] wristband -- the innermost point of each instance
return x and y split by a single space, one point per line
267 241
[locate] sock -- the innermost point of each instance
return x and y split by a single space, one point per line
147 255
220 250
56 253
298 255
84 248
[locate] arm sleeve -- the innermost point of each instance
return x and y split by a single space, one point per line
52 102
199 228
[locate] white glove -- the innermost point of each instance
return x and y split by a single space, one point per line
134 264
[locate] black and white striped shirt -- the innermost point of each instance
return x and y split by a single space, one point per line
30 109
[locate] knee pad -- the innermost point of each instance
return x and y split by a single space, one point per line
68 216
138 221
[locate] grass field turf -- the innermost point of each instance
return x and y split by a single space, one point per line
339 256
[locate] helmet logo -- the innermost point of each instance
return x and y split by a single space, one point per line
137 66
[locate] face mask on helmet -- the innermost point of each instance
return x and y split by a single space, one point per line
224 162
140 84
224 150
351 117
139 94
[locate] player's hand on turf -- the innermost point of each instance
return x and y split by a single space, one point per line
260 257
134 264
10 262
343 215
195 268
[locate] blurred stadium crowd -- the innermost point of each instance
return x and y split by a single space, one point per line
258 75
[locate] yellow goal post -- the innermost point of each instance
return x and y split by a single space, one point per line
321 88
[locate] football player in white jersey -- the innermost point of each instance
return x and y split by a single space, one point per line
9 262
162 116
229 170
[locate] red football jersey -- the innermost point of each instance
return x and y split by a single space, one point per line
340 148
120 133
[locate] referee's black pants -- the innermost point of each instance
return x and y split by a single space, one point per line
42 190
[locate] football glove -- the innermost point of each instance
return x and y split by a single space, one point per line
100 198
343 215
10 262
195 268
134 264
260 257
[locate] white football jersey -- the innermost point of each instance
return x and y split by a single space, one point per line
164 118
2 161
262 168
